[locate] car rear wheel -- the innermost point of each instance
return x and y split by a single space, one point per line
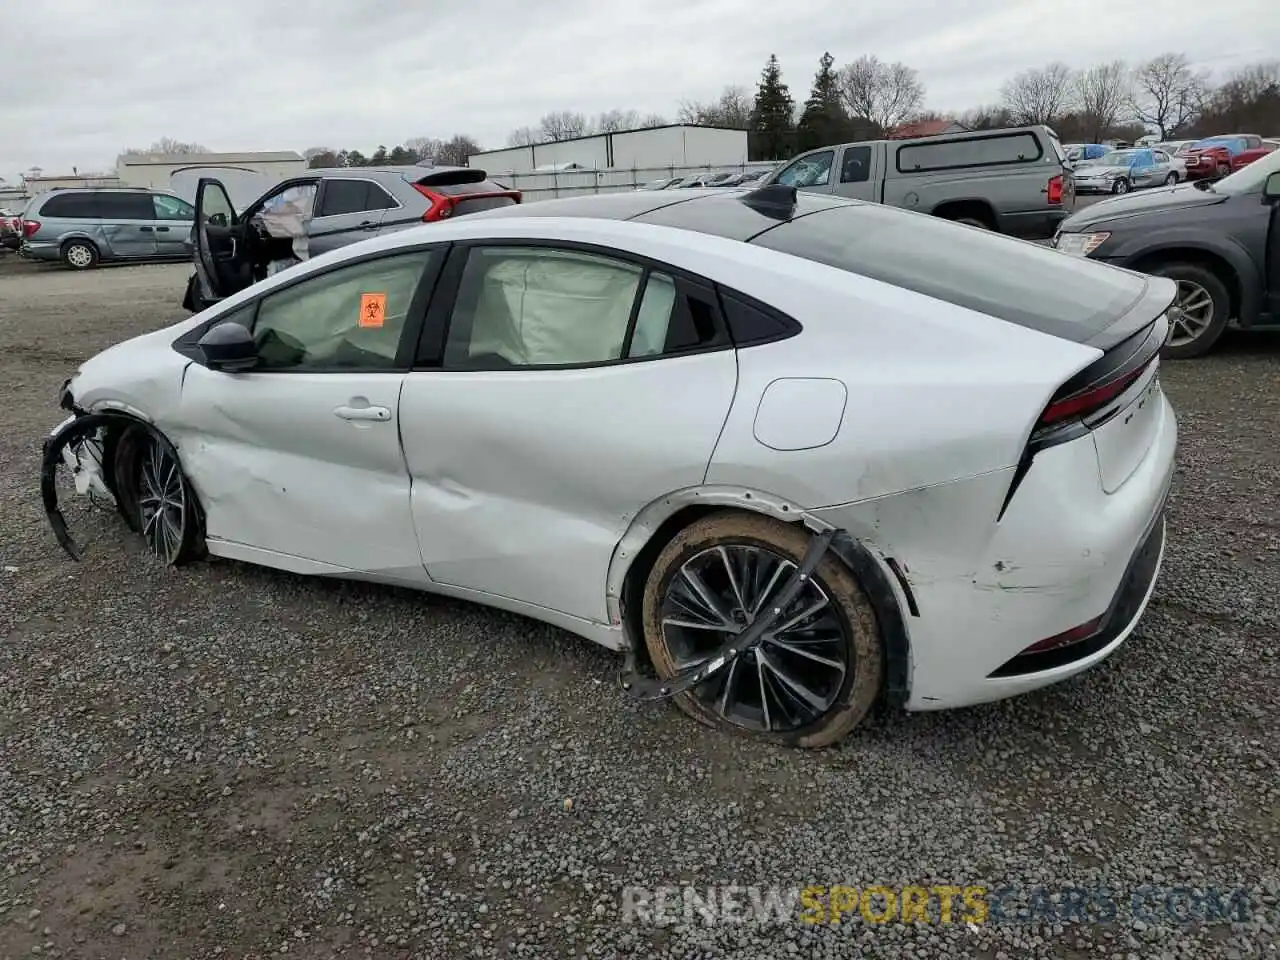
1170 180
1199 315
79 254
1120 186
811 679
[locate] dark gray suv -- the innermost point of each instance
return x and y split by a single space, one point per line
85 226
1219 240
328 208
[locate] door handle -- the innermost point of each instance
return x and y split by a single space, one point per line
162 229
380 414
144 229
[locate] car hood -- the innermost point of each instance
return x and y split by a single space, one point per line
1138 204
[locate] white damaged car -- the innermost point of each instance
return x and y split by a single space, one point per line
790 454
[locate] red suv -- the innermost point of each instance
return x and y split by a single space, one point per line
1215 157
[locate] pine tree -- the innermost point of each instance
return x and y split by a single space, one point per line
771 117
823 121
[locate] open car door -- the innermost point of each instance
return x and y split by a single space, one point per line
219 255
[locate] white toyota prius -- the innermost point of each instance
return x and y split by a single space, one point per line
789 454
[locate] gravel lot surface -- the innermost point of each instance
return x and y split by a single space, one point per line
226 760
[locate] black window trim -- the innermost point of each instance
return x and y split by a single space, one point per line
788 325
435 331
323 187
419 305
1002 135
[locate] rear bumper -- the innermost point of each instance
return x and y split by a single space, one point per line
41 250
1034 224
1065 553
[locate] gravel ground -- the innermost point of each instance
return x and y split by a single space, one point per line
226 760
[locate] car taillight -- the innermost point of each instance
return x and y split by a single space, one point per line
1055 189
1090 399
444 206
29 228
441 206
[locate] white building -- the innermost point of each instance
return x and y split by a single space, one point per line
678 145
157 169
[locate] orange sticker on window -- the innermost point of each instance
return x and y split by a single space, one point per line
373 309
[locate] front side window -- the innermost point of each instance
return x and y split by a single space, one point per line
537 306
351 318
171 208
813 170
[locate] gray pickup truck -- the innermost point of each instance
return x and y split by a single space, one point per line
1015 180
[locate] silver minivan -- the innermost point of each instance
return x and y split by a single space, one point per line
83 227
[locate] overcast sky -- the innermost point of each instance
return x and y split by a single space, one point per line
84 79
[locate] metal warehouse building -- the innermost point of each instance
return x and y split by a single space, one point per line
678 145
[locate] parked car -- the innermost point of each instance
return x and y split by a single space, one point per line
1215 157
1014 181
1220 241
762 441
327 208
1079 152
662 184
10 233
85 226
1122 170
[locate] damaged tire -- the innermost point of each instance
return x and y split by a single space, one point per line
812 679
156 498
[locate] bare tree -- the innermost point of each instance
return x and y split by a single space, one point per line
652 120
1038 96
985 118
525 137
614 121
1102 92
1167 93
732 109
887 94
169 146
457 151
563 125
424 148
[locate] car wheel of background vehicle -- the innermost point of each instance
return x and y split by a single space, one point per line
79 254
1199 315
812 679
972 222
1170 180
1120 186
156 496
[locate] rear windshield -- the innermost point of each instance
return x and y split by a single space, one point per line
1023 283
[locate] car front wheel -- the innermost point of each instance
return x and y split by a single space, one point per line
1200 312
814 674
1120 186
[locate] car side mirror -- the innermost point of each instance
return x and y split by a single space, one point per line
1271 189
229 347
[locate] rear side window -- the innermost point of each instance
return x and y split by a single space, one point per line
125 206
75 206
1026 284
855 165
352 196
973 152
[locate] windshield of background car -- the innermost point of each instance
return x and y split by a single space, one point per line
1251 178
1023 283
1117 158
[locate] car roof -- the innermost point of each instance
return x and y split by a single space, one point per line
407 171
720 212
